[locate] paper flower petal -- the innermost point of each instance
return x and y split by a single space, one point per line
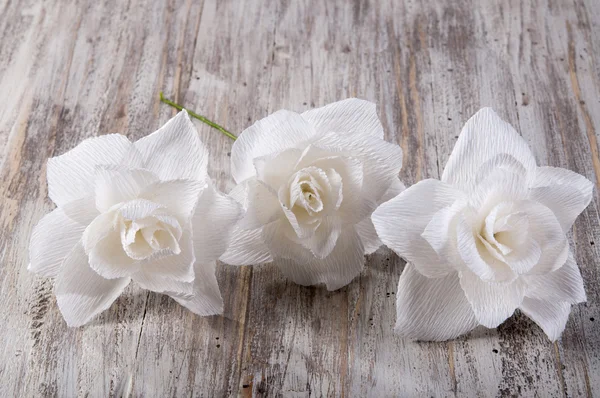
162 284
484 136
491 302
381 160
206 298
52 240
400 222
71 176
551 316
433 309
108 259
213 223
179 267
368 235
117 185
246 247
180 197
338 269
564 192
279 131
175 151
351 116
82 294
564 284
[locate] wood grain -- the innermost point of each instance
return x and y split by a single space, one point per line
75 69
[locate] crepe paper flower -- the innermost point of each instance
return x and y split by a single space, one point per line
487 239
309 183
143 211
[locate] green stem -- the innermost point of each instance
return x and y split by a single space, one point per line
197 116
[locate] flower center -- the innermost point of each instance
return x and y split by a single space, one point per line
503 230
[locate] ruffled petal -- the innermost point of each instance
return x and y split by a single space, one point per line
564 192
262 206
551 316
162 284
475 255
491 302
53 238
432 309
325 238
116 185
179 267
108 259
547 232
180 197
350 116
368 235
246 247
82 294
276 168
213 222
72 175
381 160
337 270
206 297
486 137
175 151
564 284
277 132
400 222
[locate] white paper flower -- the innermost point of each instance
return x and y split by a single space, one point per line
487 239
143 211
309 183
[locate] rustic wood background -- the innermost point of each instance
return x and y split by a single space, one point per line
70 70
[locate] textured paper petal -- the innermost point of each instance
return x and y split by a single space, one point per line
338 269
53 238
350 116
175 151
206 298
162 284
325 238
213 222
551 316
381 160
82 294
277 132
108 259
71 176
179 267
366 229
116 185
547 232
564 284
263 205
476 257
499 186
564 192
180 197
484 137
491 302
432 309
368 235
246 247
276 168
400 222
395 189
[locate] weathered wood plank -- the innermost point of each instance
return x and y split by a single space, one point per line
75 70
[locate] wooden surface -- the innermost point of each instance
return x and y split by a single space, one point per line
75 69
